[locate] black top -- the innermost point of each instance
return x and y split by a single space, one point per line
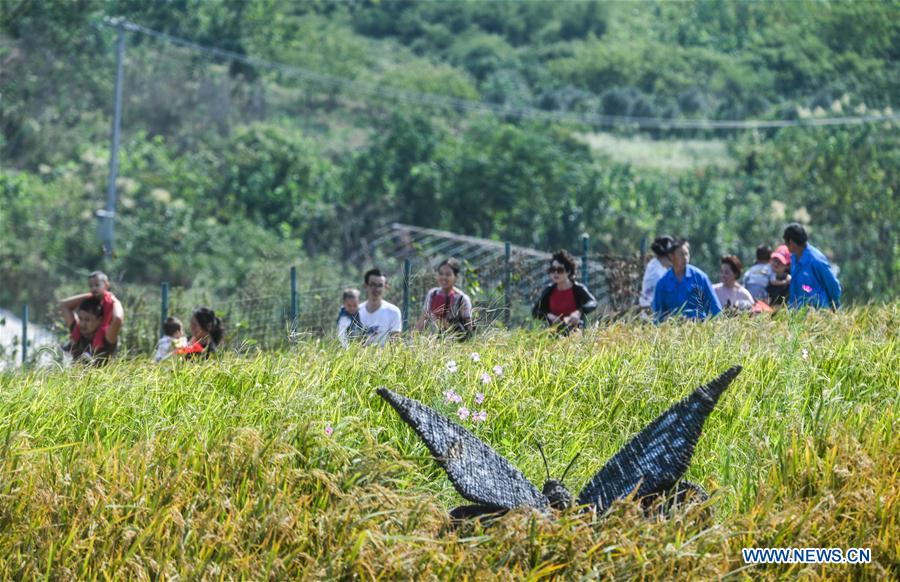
583 299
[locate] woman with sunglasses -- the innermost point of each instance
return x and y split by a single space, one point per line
565 302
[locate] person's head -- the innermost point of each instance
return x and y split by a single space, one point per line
376 282
173 327
661 245
350 300
447 273
659 248
679 253
730 269
90 316
562 267
795 238
781 260
98 283
763 254
206 324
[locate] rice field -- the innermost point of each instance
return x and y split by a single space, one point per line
288 465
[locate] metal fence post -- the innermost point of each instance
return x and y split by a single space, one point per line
24 335
163 306
406 269
507 283
108 214
585 249
295 307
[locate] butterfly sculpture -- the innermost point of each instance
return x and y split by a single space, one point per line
649 465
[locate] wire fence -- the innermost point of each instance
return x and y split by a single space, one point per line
503 289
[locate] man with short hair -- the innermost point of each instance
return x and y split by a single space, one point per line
95 343
684 290
381 319
112 315
813 283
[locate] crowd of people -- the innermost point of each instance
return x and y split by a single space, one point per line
94 320
796 274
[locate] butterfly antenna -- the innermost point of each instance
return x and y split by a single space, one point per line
546 467
572 462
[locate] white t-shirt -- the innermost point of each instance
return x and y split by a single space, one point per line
381 323
756 279
652 274
166 347
736 297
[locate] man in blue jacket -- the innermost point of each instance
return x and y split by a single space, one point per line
684 290
812 281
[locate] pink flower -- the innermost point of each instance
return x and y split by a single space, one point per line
485 378
328 430
463 413
479 416
452 396
807 288
498 371
451 366
479 398
476 357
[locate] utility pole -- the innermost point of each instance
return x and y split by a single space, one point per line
108 214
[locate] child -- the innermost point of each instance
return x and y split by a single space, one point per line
756 279
98 283
172 339
780 280
348 323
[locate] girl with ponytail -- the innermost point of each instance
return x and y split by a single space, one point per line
207 333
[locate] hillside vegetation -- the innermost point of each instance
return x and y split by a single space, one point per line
226 469
229 167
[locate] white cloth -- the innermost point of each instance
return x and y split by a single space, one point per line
736 297
756 279
381 323
348 330
652 274
166 347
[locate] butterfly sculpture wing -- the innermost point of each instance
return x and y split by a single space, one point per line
654 460
477 472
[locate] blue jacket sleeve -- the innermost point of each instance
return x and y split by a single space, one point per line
658 307
830 283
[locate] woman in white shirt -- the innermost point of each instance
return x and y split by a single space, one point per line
656 268
732 294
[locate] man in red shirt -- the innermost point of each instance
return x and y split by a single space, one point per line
98 283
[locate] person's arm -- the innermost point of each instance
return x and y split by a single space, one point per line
397 325
118 318
829 282
465 314
343 325
586 302
715 307
647 286
541 309
746 300
69 305
426 307
420 323
658 306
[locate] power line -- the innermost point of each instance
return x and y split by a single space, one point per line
434 100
